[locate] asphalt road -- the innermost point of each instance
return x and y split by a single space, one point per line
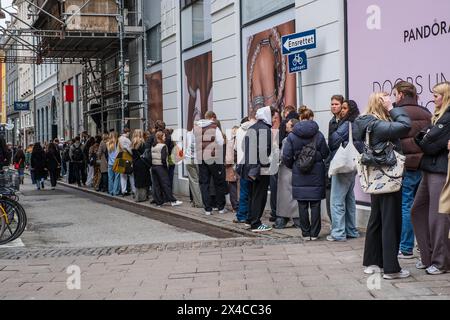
65 218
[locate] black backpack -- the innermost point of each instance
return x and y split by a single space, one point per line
66 154
77 154
306 158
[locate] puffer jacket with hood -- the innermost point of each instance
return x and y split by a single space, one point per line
309 186
253 144
209 141
383 131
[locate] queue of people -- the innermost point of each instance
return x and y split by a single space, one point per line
287 154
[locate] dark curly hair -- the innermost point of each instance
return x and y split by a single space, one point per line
353 111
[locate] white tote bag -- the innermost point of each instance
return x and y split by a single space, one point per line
344 160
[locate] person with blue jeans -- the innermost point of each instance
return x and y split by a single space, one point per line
406 99
244 184
113 178
242 213
342 196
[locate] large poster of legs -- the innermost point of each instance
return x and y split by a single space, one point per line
268 80
155 97
197 93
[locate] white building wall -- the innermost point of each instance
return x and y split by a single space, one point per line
326 74
226 62
171 77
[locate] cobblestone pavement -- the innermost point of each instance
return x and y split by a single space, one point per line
217 270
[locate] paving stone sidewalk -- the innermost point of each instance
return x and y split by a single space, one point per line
223 221
310 270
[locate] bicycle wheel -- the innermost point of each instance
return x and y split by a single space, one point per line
21 217
15 220
2 224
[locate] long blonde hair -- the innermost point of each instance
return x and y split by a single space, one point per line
111 144
138 139
375 106
444 90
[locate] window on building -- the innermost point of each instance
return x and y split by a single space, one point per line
255 9
195 22
154 43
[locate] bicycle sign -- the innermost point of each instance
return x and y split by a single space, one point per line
297 62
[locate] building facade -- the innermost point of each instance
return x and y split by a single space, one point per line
26 80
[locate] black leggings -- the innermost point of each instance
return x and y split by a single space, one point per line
53 176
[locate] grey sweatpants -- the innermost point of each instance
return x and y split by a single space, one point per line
431 227
194 184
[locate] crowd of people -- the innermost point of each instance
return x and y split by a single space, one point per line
286 153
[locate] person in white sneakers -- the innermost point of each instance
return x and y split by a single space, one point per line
160 173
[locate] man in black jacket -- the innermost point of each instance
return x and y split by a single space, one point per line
258 148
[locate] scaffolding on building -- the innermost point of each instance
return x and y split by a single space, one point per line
92 33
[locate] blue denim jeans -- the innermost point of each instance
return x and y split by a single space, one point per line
343 206
242 213
411 182
113 182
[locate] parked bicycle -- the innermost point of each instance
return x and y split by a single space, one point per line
13 219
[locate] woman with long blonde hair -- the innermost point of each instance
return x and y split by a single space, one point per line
386 125
431 227
113 178
141 166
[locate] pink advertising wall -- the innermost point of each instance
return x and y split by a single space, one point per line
389 41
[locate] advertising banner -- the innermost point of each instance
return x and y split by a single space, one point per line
390 41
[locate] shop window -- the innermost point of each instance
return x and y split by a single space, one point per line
195 23
253 10
154 44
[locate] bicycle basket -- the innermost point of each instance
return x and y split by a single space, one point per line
10 179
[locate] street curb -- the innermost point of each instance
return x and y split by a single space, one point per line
186 216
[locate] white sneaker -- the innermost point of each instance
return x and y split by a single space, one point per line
433 270
400 275
215 209
176 203
420 265
207 213
223 211
373 270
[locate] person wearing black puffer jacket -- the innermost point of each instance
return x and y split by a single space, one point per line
308 188
385 223
431 227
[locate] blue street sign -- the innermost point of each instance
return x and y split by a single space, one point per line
21 106
297 62
299 41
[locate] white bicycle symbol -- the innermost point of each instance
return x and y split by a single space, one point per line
298 60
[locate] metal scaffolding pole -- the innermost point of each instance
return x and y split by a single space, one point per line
122 62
